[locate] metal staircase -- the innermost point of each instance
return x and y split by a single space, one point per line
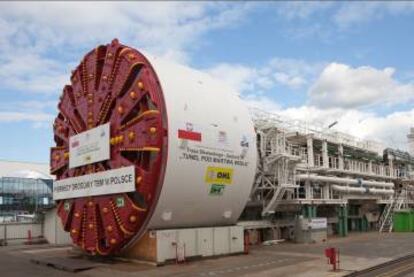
386 220
277 197
275 177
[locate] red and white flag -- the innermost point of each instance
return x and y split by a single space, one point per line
189 133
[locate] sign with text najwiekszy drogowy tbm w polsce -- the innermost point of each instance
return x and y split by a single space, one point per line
90 146
105 182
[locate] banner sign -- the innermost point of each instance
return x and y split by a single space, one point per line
318 223
90 146
105 182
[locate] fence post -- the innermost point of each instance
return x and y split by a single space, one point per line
29 237
5 234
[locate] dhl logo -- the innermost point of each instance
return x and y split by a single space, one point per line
221 175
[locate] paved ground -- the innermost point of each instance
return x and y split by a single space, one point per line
396 268
15 262
358 251
362 245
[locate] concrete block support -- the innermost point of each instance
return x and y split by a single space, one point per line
161 246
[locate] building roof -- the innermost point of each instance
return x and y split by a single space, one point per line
24 170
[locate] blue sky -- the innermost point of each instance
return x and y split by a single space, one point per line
313 61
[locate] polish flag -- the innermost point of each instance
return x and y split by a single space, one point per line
189 133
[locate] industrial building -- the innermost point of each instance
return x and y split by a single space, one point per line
309 172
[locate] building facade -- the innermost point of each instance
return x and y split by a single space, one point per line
25 190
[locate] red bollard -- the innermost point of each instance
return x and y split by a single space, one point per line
332 256
246 242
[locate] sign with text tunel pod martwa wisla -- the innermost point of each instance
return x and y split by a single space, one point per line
106 182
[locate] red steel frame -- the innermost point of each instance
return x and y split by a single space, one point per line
113 83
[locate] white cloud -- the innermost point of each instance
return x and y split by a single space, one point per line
25 116
337 94
32 73
40 113
294 73
390 130
359 12
238 76
39 40
289 73
336 19
340 85
344 14
160 27
33 105
289 81
301 9
261 103
36 105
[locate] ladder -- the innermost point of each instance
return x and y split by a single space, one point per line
386 220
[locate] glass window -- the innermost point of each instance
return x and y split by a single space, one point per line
25 195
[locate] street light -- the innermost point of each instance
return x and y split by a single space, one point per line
332 124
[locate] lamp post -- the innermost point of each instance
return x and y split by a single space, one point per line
332 124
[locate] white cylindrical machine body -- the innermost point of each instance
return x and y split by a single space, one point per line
211 159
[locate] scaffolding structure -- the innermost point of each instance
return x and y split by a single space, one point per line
264 119
310 166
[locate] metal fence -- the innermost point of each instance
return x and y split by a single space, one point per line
19 231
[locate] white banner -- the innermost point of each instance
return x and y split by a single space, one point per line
106 182
90 146
318 223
